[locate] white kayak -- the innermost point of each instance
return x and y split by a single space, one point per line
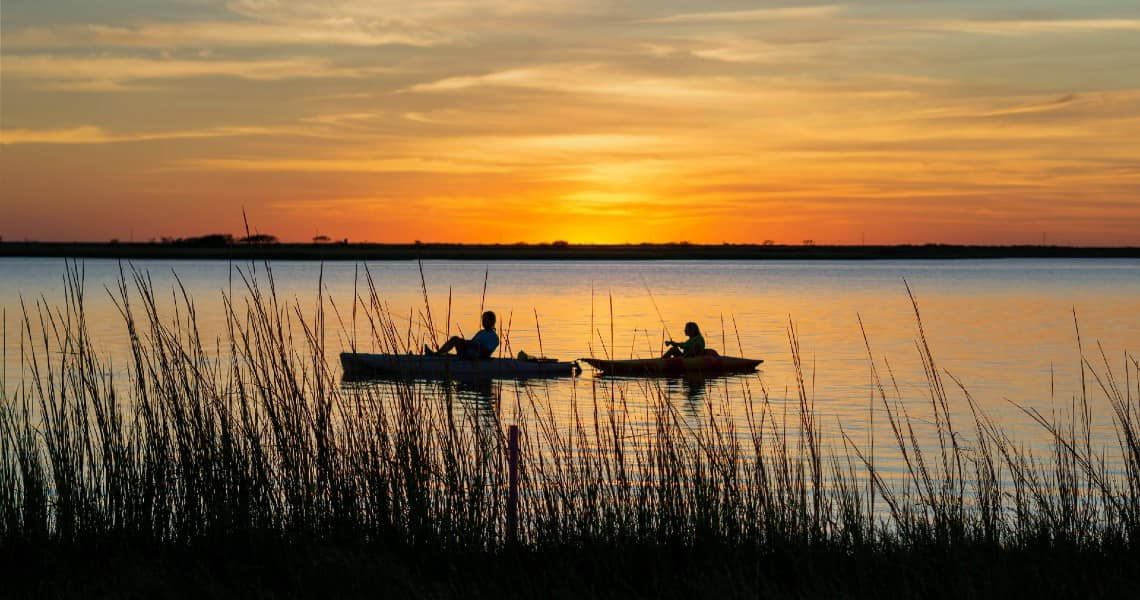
416 366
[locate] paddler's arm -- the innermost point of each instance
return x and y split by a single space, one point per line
688 345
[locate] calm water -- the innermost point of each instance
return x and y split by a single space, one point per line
1004 327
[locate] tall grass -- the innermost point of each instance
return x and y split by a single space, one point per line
253 436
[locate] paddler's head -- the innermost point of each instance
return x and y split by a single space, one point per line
691 329
488 320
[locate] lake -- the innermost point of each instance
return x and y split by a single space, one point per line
1004 328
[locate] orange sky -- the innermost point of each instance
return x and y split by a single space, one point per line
584 120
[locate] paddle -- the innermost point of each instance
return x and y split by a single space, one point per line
659 317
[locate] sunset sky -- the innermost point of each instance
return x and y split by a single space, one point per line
585 120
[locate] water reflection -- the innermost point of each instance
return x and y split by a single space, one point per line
692 393
481 394
475 402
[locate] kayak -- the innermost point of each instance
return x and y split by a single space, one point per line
674 366
413 366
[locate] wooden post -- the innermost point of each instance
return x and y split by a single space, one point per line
513 492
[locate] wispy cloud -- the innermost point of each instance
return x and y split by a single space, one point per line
593 79
341 165
1055 104
789 13
90 134
110 72
421 11
207 34
1023 27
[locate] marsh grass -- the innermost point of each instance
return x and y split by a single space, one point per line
252 442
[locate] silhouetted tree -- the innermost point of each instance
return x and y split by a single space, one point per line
212 240
259 238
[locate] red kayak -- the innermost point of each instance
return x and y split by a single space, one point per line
674 366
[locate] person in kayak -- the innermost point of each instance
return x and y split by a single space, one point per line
694 346
482 346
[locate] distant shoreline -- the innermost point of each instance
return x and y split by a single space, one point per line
494 252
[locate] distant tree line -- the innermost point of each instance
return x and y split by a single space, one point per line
217 240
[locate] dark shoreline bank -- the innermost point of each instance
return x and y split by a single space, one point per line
359 252
239 568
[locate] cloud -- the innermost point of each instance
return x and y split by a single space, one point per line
207 34
90 134
537 155
1037 107
791 13
534 77
596 79
1083 115
342 165
110 72
744 50
421 11
1023 27
74 135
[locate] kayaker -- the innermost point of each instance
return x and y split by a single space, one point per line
481 346
694 346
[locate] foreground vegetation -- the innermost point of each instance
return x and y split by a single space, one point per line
243 466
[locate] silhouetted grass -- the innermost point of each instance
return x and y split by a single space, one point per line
243 466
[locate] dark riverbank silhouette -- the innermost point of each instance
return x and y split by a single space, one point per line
557 251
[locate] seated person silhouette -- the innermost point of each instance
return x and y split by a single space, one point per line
694 346
480 347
